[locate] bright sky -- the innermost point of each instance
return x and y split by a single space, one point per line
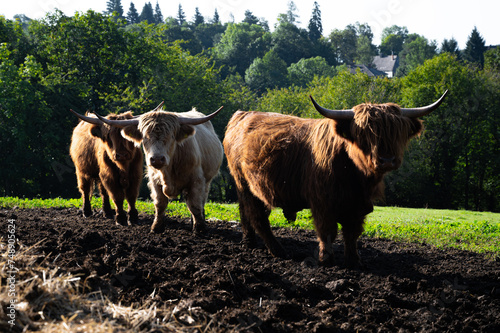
433 19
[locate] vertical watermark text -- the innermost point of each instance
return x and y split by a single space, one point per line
12 271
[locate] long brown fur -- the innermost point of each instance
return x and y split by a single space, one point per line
329 166
95 151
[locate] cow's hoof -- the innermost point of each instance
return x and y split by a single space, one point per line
121 219
249 242
354 264
326 261
109 214
278 251
199 228
133 218
158 227
87 212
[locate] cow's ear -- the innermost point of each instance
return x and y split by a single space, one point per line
343 128
416 127
133 134
185 132
96 131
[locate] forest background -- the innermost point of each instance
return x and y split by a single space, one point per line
113 62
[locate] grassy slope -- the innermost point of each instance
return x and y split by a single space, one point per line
467 230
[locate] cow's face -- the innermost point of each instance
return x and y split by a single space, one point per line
381 134
160 133
117 148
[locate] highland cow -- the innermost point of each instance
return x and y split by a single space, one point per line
335 166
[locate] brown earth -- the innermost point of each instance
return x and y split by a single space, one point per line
402 287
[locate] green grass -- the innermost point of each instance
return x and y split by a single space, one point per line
467 230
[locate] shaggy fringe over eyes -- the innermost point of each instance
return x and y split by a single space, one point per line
149 123
379 126
382 126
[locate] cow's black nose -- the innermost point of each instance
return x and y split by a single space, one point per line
157 161
387 161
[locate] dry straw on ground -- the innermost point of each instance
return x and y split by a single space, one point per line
51 300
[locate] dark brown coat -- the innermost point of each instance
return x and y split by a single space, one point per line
102 155
333 167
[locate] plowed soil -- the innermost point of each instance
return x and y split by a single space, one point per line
401 288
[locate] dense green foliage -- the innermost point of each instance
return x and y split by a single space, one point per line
108 63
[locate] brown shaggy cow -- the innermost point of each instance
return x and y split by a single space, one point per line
334 166
183 155
101 154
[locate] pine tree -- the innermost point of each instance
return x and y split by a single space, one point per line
450 46
147 13
114 6
475 48
133 15
216 18
250 18
158 17
315 26
291 14
198 18
181 17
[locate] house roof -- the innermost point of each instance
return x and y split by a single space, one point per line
366 70
387 63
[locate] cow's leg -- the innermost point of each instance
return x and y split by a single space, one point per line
327 232
118 199
161 203
133 214
195 201
255 211
131 195
85 187
246 225
351 232
106 206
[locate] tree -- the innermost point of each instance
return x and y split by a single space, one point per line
158 17
475 48
392 39
267 72
344 43
216 18
291 43
114 6
147 13
394 30
239 45
250 18
450 46
315 26
304 71
133 15
198 18
290 16
181 17
492 60
416 51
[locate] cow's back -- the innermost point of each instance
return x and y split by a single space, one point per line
84 149
267 153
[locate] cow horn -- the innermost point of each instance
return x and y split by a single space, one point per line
333 114
118 123
197 121
91 120
424 110
159 106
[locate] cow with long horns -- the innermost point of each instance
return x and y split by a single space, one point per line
102 155
334 166
183 155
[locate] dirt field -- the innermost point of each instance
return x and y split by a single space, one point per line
402 288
